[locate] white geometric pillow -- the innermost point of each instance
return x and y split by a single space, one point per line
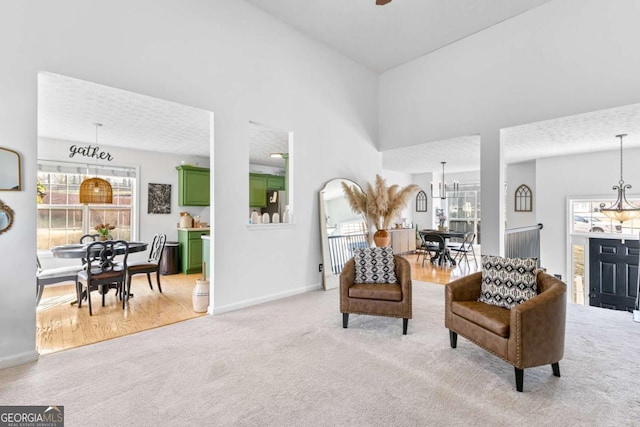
374 265
507 282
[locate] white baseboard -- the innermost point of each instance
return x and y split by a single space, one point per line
18 359
260 300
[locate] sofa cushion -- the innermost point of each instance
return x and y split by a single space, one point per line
507 282
490 317
374 265
377 291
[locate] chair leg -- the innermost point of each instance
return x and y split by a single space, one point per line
345 320
126 290
149 280
39 291
79 291
474 256
405 324
453 338
158 280
89 300
519 378
556 369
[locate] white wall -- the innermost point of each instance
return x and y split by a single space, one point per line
154 167
423 219
401 179
562 58
518 174
558 178
226 57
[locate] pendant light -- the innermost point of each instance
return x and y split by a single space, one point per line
443 189
621 210
96 190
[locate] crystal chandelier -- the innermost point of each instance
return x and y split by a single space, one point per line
621 210
443 189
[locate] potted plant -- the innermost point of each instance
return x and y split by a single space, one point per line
379 205
104 230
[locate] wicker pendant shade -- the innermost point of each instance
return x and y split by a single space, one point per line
96 190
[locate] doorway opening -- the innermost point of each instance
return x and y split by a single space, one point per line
141 142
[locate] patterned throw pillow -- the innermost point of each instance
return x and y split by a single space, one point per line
507 282
374 265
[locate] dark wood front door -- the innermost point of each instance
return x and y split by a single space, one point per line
613 273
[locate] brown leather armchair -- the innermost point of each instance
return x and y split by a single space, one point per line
381 299
530 334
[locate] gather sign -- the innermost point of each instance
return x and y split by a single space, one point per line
90 151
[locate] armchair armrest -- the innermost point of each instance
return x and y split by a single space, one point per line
403 274
347 277
466 288
538 325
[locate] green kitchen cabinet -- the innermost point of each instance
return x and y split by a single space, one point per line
193 186
275 182
257 190
191 254
259 184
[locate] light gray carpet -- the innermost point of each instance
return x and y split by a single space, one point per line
289 362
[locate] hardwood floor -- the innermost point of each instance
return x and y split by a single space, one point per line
60 325
441 275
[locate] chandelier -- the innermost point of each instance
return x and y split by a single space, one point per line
96 190
621 210
443 188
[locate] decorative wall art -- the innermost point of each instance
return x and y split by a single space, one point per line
159 199
421 201
523 199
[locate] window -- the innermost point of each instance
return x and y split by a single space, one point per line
587 218
464 211
63 220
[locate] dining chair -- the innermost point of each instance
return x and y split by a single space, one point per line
103 272
434 245
462 249
87 238
50 276
152 265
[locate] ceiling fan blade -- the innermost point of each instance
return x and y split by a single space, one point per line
382 2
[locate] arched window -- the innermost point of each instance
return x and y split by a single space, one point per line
524 199
421 201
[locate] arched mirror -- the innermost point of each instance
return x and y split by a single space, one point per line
6 217
341 230
9 170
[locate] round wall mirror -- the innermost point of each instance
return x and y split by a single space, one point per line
341 230
6 217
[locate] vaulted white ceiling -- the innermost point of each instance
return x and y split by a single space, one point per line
377 36
383 37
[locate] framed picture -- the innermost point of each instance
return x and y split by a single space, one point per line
159 199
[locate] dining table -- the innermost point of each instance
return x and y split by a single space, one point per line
79 250
445 254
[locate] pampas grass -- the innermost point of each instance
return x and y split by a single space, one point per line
379 204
